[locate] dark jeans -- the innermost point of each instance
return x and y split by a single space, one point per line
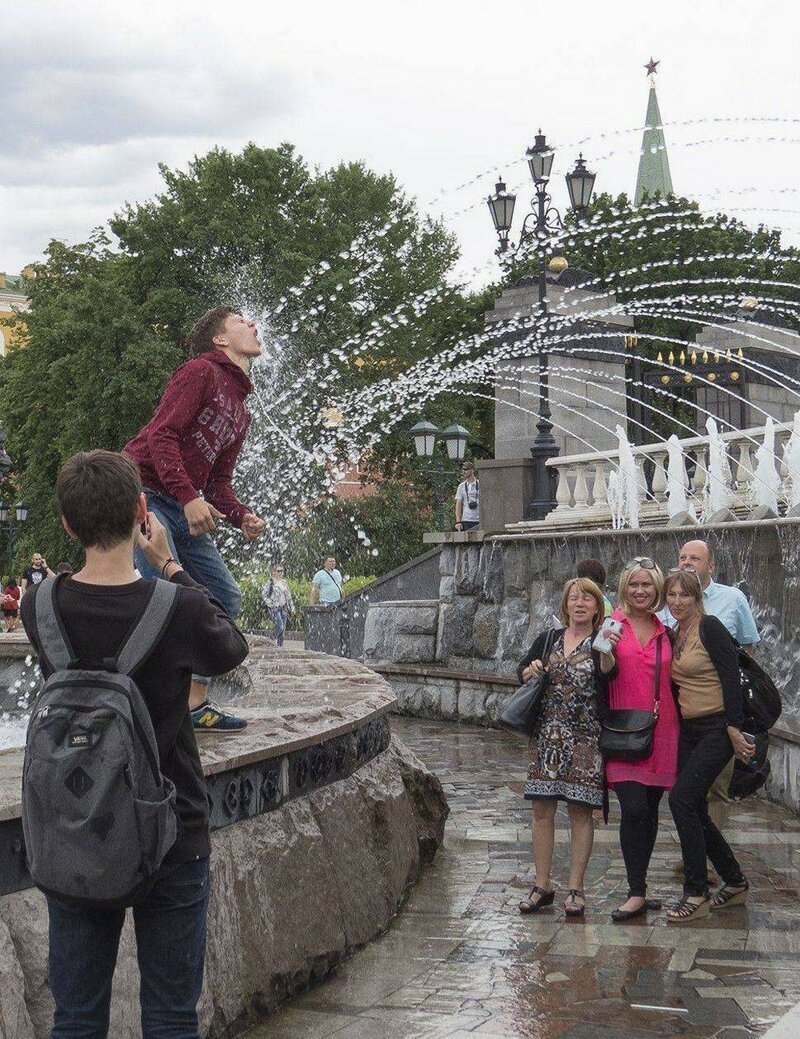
704 749
170 944
638 830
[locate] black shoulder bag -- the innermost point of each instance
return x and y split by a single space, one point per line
522 709
627 735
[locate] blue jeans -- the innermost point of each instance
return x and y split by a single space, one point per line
170 946
197 554
279 616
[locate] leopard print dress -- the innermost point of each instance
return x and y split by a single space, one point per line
565 760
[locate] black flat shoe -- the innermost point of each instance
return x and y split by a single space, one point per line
621 916
653 905
546 898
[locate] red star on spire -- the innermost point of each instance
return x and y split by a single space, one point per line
651 66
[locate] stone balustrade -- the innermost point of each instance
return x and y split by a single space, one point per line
582 492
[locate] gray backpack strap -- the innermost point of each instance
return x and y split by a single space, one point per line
52 637
150 627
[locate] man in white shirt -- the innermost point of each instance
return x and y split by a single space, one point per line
468 509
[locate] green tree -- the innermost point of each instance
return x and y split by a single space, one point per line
86 376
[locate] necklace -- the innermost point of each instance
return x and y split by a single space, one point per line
682 639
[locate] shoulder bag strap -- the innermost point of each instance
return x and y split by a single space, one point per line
49 627
549 642
149 628
657 694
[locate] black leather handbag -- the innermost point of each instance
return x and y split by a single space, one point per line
522 709
762 699
627 735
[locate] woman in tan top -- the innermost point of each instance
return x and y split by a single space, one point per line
705 669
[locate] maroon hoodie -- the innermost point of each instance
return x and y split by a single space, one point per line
193 440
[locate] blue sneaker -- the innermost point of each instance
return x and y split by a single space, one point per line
209 718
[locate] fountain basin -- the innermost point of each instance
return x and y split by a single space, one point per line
314 795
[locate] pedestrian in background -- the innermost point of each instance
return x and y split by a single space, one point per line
326 584
277 597
595 571
11 597
468 499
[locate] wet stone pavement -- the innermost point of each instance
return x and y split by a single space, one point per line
459 960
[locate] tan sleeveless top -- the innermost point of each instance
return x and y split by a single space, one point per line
699 687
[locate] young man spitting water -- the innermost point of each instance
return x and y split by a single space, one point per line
186 455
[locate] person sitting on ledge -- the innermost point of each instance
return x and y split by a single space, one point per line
102 505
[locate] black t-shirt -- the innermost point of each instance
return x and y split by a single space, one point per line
34 575
200 639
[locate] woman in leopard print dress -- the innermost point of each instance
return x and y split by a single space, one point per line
565 760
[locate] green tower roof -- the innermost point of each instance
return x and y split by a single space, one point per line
654 173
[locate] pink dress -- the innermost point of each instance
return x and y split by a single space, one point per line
633 689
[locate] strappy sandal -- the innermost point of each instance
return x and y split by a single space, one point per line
527 905
730 895
685 911
571 906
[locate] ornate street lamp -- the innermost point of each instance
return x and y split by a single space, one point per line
424 435
454 438
540 159
21 510
501 206
538 225
580 185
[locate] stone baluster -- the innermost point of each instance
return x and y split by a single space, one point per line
700 478
744 474
581 492
781 447
599 486
659 476
563 493
641 479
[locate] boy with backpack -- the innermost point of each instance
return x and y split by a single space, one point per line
186 455
114 804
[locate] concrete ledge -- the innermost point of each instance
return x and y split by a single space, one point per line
314 793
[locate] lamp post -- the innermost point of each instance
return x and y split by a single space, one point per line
453 444
539 225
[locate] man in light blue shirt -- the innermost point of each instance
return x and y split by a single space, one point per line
729 604
326 585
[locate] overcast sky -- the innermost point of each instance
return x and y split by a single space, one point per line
443 93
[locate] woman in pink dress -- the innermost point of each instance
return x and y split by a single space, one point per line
640 785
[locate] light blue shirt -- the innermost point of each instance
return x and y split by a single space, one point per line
329 584
730 605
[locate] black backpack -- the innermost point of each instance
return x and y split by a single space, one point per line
97 814
762 700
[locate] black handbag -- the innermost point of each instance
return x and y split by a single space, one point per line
627 735
522 709
762 700
750 776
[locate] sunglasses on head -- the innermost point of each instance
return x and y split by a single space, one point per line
641 563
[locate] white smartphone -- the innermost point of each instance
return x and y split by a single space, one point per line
601 642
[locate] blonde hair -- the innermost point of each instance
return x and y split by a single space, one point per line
583 584
657 578
689 582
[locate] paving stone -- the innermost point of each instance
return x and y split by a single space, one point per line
459 960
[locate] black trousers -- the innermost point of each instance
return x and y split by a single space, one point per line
638 830
704 749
